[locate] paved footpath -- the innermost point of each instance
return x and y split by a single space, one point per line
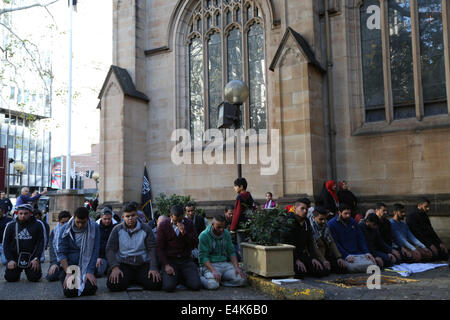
431 285
44 290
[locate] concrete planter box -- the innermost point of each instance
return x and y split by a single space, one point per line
269 261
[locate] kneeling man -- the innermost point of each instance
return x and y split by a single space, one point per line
215 248
131 254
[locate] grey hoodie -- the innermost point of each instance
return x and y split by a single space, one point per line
133 247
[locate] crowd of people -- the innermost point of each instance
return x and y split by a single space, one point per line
185 250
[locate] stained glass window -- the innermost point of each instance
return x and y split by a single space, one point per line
432 57
214 77
208 61
400 43
234 46
256 73
372 62
196 88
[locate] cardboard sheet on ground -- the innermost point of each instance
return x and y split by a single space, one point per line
406 269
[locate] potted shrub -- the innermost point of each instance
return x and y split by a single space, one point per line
164 203
264 253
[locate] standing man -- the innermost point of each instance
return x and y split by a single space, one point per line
131 253
54 271
4 201
24 197
305 253
410 247
215 250
420 225
350 240
23 245
78 247
244 202
175 241
106 225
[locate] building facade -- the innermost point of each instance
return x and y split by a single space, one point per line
357 89
25 103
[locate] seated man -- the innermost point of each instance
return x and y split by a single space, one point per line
4 220
55 267
215 249
377 247
131 253
410 247
300 235
199 224
384 226
328 253
228 216
158 222
106 225
78 247
115 220
23 244
228 213
175 241
38 215
350 240
270 203
420 225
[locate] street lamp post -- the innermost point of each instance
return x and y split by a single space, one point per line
96 177
236 93
20 168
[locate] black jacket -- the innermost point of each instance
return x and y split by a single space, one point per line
6 203
199 224
328 202
301 237
384 225
3 222
31 239
374 241
105 232
347 197
420 225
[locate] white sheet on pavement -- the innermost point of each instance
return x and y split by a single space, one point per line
406 269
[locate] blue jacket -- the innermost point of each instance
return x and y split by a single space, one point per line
26 199
403 237
68 249
348 238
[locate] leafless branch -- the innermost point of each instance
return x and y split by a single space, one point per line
38 4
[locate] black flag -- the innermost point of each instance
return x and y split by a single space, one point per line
74 4
146 196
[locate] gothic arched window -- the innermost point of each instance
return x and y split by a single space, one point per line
403 59
226 42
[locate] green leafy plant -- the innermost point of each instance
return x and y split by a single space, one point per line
164 203
266 227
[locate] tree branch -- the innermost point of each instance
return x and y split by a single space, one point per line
42 5
36 62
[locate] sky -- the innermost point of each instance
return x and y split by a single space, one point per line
92 57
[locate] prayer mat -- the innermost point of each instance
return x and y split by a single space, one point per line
361 281
135 288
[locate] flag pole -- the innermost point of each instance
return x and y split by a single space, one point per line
69 108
